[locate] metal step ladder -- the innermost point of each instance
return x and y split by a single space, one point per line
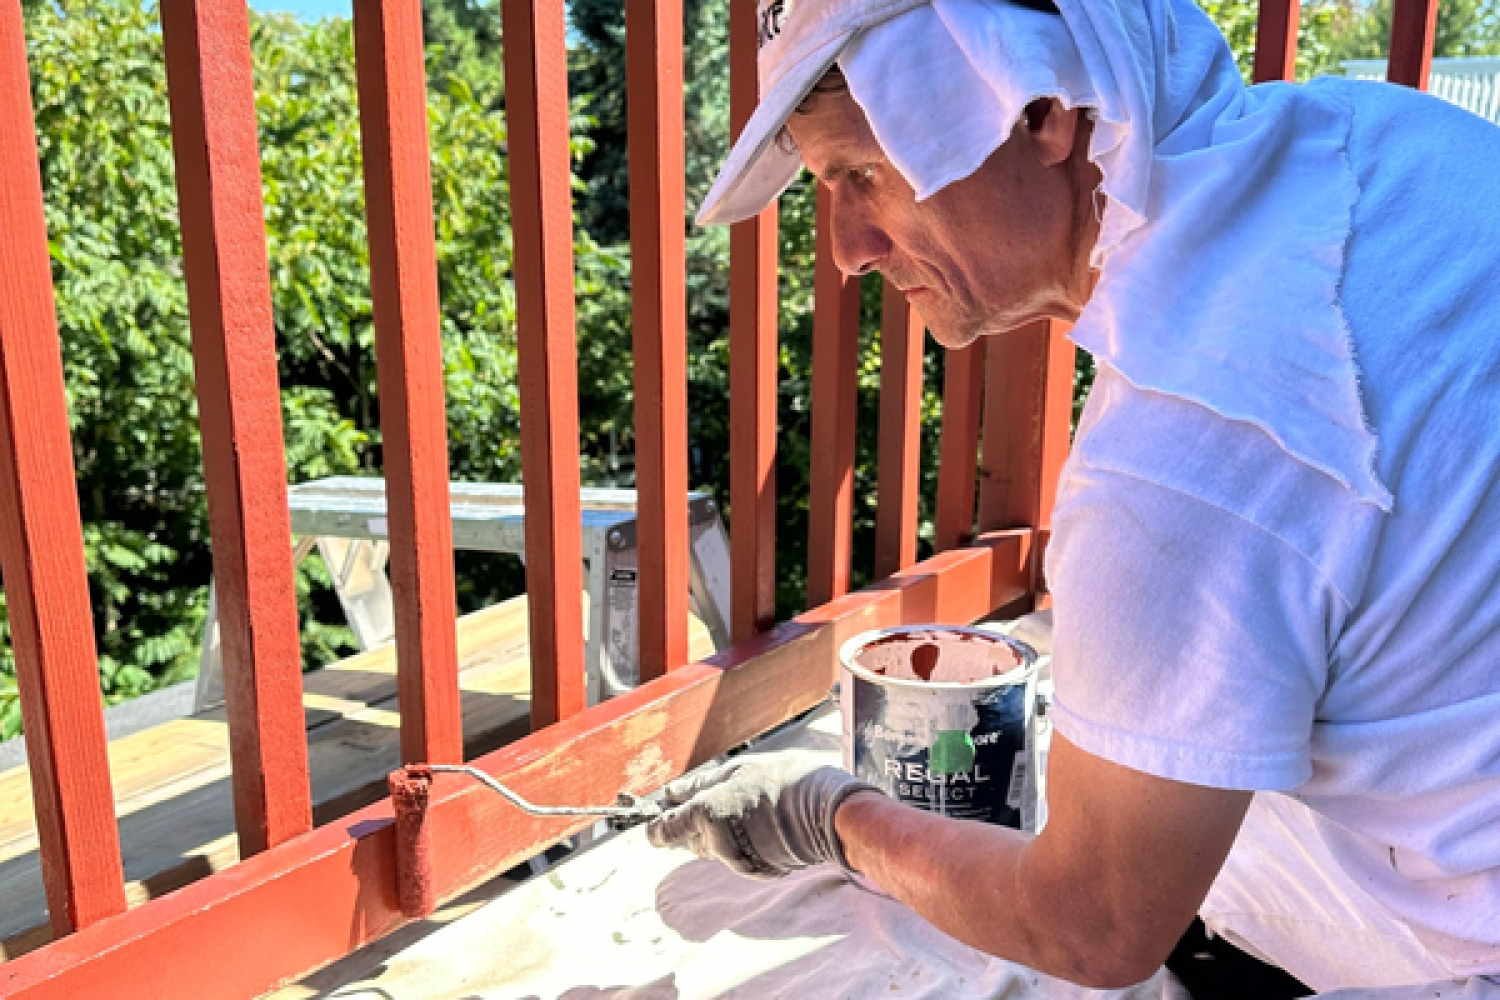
345 519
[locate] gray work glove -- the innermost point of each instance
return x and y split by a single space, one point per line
764 815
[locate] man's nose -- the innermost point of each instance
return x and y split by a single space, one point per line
859 245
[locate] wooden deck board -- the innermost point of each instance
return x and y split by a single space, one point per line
142 764
172 781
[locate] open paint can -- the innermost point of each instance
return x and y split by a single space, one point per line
943 718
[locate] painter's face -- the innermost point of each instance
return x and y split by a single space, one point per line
1007 245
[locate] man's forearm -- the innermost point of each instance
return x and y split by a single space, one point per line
969 880
1099 898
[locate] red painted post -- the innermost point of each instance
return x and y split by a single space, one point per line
1413 33
1276 40
653 56
1057 423
901 340
41 539
409 350
1028 412
958 450
834 402
536 103
212 91
752 370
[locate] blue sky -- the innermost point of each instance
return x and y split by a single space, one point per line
313 9
308 9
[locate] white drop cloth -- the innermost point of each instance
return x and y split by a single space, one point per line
626 921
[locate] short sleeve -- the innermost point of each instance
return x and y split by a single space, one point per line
1189 642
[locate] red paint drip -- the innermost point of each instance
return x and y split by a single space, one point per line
924 660
411 787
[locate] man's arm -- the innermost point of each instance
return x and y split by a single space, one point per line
1099 898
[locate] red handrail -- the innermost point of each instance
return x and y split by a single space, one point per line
323 895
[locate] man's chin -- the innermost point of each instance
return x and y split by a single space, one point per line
954 335
954 341
944 329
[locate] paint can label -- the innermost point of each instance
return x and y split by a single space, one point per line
963 754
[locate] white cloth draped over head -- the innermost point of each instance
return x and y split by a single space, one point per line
1228 207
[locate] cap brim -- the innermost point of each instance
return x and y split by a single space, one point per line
759 168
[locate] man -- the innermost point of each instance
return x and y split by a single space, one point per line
1274 564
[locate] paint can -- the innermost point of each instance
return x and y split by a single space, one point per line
943 718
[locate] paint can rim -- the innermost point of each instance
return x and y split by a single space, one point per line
1019 675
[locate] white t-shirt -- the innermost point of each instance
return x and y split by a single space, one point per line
1228 616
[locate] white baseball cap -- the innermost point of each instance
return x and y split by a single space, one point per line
799 40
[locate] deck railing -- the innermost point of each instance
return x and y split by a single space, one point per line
303 897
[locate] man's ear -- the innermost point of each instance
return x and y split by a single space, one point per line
1053 129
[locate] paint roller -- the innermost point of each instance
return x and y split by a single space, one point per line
411 789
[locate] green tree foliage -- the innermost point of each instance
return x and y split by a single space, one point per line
1361 29
1237 19
463 45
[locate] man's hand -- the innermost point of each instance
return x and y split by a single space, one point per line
762 815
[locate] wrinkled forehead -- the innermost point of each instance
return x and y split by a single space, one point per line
831 130
942 83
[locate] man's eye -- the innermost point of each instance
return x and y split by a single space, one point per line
862 175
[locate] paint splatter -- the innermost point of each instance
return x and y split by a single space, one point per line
924 659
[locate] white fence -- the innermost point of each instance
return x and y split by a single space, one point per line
1472 84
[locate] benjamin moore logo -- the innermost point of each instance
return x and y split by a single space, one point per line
772 15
